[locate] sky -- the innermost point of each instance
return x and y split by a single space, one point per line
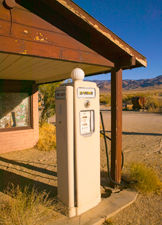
139 24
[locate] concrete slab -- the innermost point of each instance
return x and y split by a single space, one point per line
107 208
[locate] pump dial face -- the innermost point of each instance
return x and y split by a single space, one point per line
87 104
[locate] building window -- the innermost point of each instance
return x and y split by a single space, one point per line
16 104
14 110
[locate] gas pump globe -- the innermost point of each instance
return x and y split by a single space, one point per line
78 144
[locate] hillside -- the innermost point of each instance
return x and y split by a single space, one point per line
142 84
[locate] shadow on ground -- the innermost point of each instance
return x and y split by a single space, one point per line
137 133
7 178
12 177
28 166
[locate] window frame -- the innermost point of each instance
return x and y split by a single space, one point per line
12 86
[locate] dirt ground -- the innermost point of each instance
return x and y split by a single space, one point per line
142 142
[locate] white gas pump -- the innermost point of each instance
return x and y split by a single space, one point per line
78 144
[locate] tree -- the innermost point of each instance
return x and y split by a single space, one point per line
48 91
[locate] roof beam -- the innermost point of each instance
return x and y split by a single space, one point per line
126 63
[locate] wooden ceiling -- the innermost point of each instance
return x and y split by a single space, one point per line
41 70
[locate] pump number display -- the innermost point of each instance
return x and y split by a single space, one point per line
86 122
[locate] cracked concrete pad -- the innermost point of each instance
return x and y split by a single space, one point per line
105 209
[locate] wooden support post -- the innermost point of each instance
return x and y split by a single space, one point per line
116 124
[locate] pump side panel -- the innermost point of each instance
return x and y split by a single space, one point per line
87 152
65 147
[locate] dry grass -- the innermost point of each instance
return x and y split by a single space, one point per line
47 137
27 207
153 99
105 99
148 181
128 95
154 104
108 222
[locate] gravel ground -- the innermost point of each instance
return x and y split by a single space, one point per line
142 142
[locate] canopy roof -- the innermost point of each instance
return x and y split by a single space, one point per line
44 40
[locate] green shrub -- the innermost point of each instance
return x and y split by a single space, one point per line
26 207
147 178
47 137
48 93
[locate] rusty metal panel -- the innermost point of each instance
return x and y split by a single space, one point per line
138 102
116 124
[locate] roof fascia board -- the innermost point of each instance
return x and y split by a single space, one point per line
83 15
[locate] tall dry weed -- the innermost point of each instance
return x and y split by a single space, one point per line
27 207
148 181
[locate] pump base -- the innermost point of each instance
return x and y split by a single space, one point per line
71 212
88 205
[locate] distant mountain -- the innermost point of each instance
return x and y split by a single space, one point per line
154 83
